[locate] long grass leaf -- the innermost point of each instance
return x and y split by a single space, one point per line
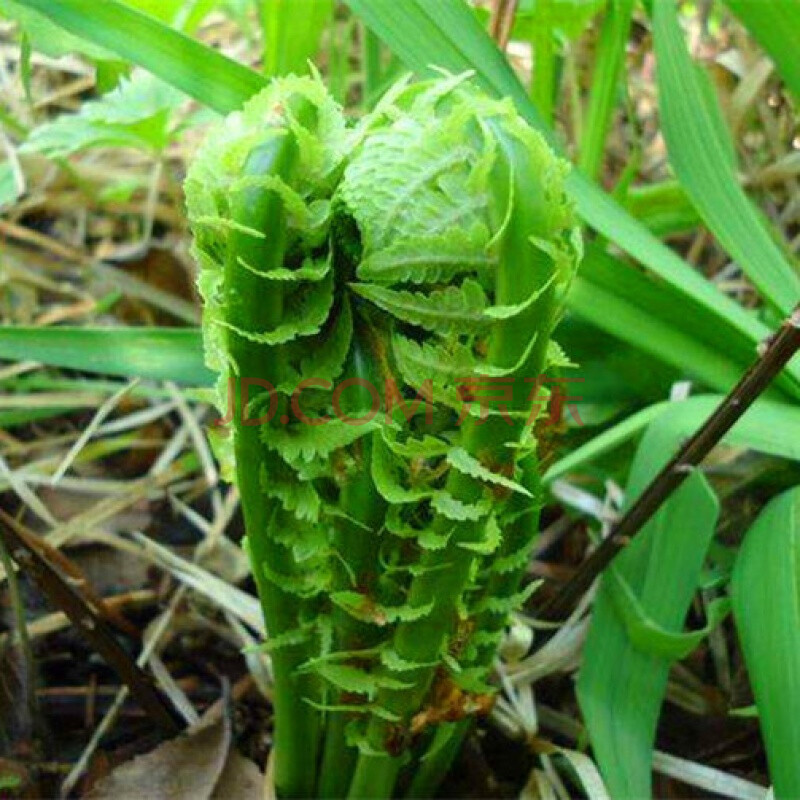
444 35
611 48
640 310
292 31
762 429
622 682
776 27
174 354
699 147
198 70
765 590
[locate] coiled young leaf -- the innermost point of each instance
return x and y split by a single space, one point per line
418 255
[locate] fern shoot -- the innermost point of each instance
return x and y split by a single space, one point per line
378 301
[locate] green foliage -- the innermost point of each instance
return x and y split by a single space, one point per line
461 460
288 205
765 590
621 299
9 188
10 782
135 114
46 36
285 53
608 67
158 353
624 677
448 35
301 443
374 250
200 72
453 310
185 15
700 151
762 429
567 17
776 26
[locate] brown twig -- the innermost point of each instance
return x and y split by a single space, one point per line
70 570
23 549
502 21
774 355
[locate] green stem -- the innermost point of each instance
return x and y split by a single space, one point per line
356 540
520 534
296 722
372 66
432 769
338 759
522 270
422 642
542 88
609 63
254 303
544 70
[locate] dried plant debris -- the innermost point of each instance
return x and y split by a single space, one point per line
202 764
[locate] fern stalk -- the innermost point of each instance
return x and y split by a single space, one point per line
513 557
250 307
424 248
356 542
519 346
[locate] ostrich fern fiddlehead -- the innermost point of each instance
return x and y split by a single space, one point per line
412 259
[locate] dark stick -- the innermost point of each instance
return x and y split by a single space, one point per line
23 549
502 20
775 355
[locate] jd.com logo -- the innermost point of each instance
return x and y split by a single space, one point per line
546 399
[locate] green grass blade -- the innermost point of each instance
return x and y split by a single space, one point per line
199 71
444 34
763 429
174 354
700 152
609 63
371 54
603 213
48 38
631 306
621 684
776 27
22 416
447 34
292 32
663 207
765 590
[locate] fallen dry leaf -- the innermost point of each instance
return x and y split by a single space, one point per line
200 765
241 779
